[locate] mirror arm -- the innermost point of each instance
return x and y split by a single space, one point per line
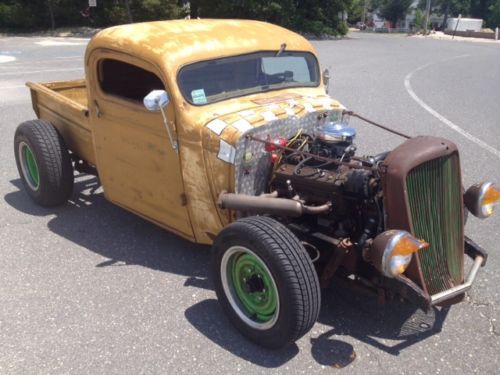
173 141
326 80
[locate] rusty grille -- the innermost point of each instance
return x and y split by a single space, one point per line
435 199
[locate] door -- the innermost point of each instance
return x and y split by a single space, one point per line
137 166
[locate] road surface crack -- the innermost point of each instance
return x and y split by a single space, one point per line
488 316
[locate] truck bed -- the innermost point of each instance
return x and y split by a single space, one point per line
64 104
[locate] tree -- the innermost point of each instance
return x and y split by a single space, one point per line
321 16
311 16
419 19
50 6
281 12
449 8
392 10
494 18
481 8
355 11
129 13
23 14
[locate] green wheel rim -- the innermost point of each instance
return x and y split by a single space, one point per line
29 166
250 287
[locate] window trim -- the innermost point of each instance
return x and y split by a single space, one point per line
177 78
107 54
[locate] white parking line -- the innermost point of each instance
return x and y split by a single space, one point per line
12 87
39 71
50 43
440 117
6 58
29 63
69 57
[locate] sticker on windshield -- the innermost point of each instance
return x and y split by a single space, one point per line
198 96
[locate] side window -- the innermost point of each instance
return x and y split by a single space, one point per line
127 81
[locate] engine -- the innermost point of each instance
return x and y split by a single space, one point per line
322 167
310 165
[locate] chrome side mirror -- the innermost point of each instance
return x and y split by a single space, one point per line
326 79
156 100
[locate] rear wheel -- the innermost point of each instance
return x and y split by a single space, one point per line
265 281
43 163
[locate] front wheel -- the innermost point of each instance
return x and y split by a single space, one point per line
265 281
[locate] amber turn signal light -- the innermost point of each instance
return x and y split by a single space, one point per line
392 251
408 245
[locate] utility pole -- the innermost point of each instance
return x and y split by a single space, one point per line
456 26
427 14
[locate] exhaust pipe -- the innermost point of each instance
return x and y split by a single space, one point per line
269 205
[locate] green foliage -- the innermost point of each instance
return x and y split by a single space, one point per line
452 8
494 18
317 17
355 11
150 10
449 7
488 10
392 10
20 13
481 8
30 15
419 19
279 12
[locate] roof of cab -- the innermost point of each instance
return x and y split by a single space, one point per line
173 44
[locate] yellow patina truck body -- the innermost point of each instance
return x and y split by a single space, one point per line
129 146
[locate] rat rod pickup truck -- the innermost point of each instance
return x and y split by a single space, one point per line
221 131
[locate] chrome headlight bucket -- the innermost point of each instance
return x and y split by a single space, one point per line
480 199
392 251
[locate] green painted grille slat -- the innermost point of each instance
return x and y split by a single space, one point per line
435 199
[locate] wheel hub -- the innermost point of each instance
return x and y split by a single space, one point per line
254 284
29 166
252 290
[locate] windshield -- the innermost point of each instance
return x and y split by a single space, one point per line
214 80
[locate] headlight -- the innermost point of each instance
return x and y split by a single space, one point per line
480 199
392 251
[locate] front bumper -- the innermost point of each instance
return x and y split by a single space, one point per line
417 295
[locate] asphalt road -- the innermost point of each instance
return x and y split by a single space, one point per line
91 288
